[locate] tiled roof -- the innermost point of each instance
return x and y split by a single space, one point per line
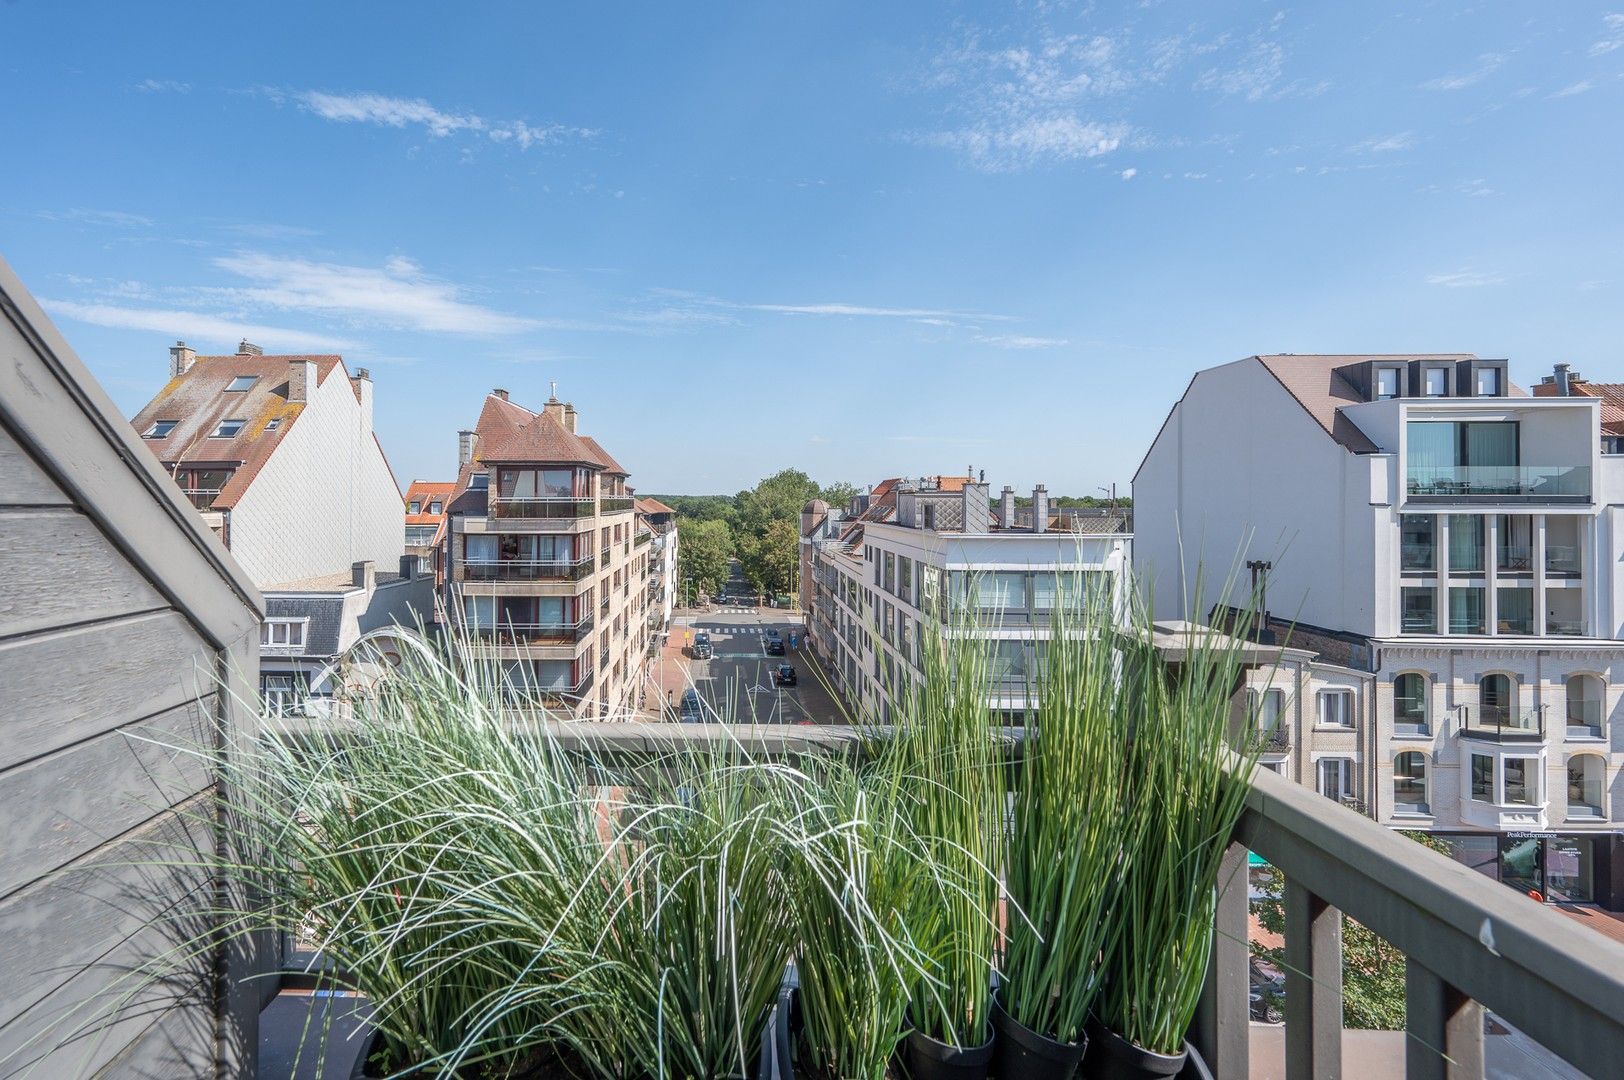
425 492
604 459
652 506
197 401
1612 402
508 432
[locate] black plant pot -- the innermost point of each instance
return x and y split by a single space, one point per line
930 1059
1111 1057
1022 1054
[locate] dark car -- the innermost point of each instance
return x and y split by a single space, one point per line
702 647
692 710
783 675
775 644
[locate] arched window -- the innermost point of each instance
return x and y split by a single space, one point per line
1586 694
1410 783
1410 704
1494 701
1587 778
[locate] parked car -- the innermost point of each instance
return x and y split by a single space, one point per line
692 710
783 675
702 647
775 644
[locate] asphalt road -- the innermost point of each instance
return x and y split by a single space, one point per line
737 682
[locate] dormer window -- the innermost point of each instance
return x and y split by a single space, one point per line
436 507
228 429
241 383
1435 382
1386 383
479 481
273 423
414 507
161 429
1488 382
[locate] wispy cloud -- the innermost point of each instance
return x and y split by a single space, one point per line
114 219
1465 279
195 326
1576 88
257 230
1487 64
397 295
398 112
1612 35
1021 341
865 311
1018 145
162 86
1255 76
1386 144
1128 174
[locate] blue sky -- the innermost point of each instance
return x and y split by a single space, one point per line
861 239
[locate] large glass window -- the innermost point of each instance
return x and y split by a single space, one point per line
1436 381
1419 610
905 580
1410 783
1482 778
1585 694
1466 610
1494 699
1410 703
1336 778
1522 781
1269 707
1465 544
1514 546
1387 382
1587 775
1515 614
1568 869
1418 542
1488 382
1003 591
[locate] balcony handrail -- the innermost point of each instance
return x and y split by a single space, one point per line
1499 720
529 562
1568 482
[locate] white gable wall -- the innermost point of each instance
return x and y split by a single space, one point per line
324 500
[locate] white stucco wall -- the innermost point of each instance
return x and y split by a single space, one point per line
324 500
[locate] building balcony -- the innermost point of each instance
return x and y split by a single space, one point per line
643 538
1500 723
526 569
512 507
202 498
615 504
533 634
1499 483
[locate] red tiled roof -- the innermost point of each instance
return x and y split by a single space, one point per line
508 432
197 401
603 456
1611 395
652 506
425 492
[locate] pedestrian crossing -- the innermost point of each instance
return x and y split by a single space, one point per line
733 611
729 630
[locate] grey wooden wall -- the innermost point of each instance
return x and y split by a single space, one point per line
120 617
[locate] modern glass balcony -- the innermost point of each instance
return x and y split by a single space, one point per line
539 633
1561 559
1584 719
526 569
614 504
1503 483
515 507
1502 723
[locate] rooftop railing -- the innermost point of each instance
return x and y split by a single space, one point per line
528 507
1514 483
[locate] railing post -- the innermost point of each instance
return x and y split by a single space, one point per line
1222 1019
1313 986
1443 1028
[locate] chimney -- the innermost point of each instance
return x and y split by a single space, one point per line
569 417
1006 508
363 575
301 379
499 392
408 567
1040 509
976 508
181 359
465 447
245 348
362 381
1564 380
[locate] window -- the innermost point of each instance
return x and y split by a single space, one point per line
1482 778
240 383
282 633
1269 707
1436 382
1418 542
278 693
436 507
1494 698
1410 783
1336 778
1002 591
1419 610
479 482
1585 696
420 535
1336 708
1515 613
1437 448
905 579
414 507
1386 383
1410 704
228 429
1465 543
1466 610
161 429
1522 781
1488 382
1586 778
273 423
890 581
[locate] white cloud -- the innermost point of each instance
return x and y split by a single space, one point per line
399 295
1128 174
399 112
1254 77
1465 279
194 326
1387 144
1026 142
116 219
1022 341
162 86
1487 65
1576 88
1612 35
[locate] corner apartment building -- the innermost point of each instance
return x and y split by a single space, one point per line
659 527
1421 520
911 551
546 574
279 456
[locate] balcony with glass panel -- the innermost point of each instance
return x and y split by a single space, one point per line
1502 723
1564 612
1462 461
1562 547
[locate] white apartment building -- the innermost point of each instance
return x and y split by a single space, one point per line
907 545
547 567
279 456
1428 524
659 526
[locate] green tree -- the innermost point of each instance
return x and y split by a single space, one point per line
840 495
703 551
1372 970
769 529
701 507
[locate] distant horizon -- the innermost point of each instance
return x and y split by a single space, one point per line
741 238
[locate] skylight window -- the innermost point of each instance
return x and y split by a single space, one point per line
161 429
241 383
273 423
228 429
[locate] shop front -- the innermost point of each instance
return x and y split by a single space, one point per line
1559 868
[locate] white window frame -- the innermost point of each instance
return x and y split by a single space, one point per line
1322 698
1259 695
1406 810
220 431
241 384
1344 769
293 633
167 425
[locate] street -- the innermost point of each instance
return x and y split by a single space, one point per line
736 684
